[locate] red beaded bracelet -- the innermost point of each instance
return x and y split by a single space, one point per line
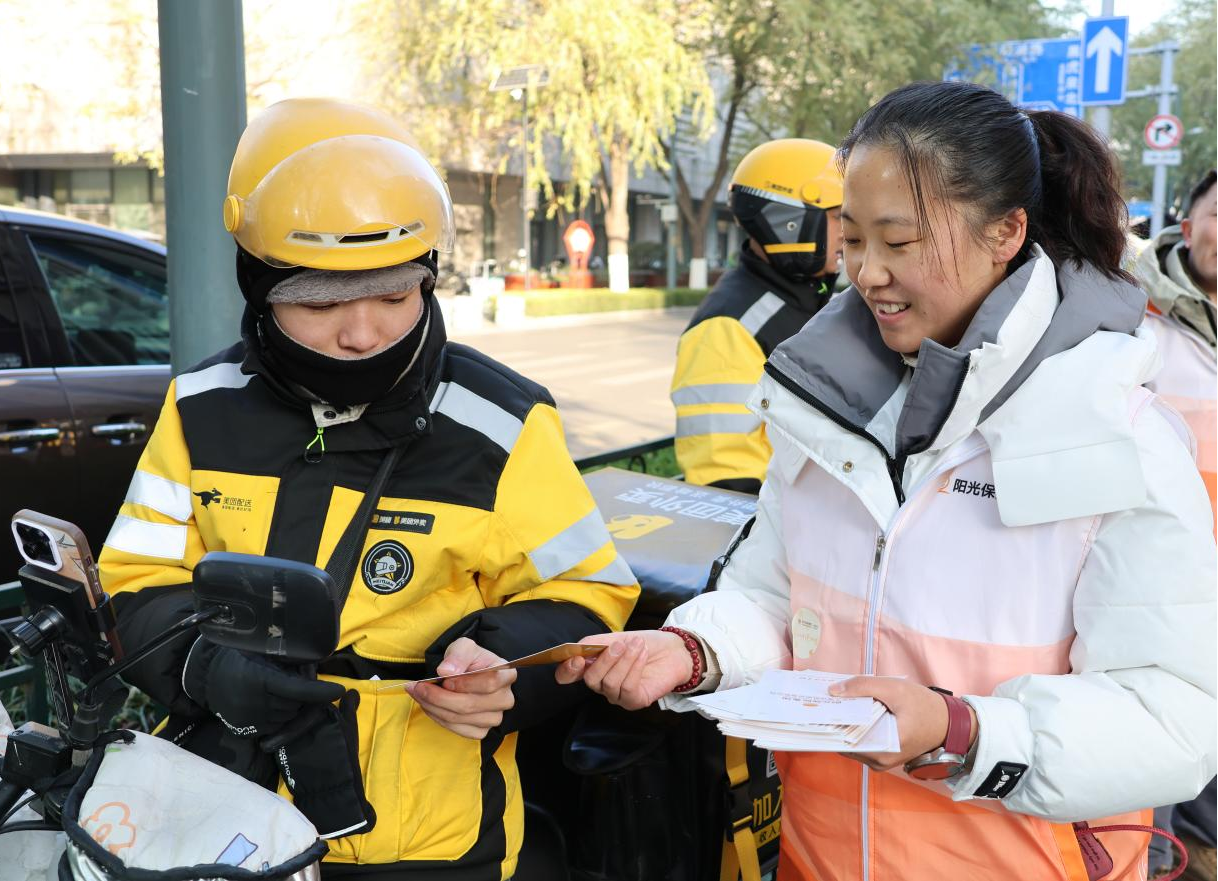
691 645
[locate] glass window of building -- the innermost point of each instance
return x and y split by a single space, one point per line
131 186
60 182
91 186
10 187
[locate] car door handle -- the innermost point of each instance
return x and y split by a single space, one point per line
118 429
29 435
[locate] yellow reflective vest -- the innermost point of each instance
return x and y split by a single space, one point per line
484 511
720 358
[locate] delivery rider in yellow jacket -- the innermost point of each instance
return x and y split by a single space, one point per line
483 543
787 196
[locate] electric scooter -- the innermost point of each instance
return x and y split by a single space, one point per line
135 807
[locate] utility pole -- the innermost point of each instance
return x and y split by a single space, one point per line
518 81
1165 91
203 115
1166 87
1101 117
674 212
524 184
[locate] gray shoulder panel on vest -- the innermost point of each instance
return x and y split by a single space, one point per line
226 374
759 313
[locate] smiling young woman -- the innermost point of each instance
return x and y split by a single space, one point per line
970 489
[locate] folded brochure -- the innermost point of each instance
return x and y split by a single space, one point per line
792 710
553 655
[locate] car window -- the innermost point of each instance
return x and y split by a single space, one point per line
12 348
111 301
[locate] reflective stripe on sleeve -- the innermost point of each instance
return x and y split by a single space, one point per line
160 494
572 546
132 536
761 312
618 572
223 375
713 393
473 411
717 423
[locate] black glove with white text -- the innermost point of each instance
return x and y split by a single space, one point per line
252 695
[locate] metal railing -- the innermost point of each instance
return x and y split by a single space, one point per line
633 454
12 598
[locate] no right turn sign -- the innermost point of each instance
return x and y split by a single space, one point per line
1164 132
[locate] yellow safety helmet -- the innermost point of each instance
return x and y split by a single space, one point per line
779 194
331 185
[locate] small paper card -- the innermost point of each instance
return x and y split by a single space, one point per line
553 655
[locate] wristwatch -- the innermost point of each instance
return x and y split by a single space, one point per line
948 760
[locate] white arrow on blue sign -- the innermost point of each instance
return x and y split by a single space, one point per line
1105 59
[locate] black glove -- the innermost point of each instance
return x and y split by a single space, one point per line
321 767
251 695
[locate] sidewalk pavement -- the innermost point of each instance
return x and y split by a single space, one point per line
463 325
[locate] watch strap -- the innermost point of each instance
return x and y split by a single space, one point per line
959 725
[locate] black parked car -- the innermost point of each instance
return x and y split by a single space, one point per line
84 365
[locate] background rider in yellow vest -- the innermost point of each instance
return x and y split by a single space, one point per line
787 196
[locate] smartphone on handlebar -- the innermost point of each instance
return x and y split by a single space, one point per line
60 547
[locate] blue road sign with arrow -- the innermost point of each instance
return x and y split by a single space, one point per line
1105 59
1035 74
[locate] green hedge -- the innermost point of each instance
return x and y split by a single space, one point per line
661 462
580 301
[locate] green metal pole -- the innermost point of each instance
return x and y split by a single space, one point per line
203 112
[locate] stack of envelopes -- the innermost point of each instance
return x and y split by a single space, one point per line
792 710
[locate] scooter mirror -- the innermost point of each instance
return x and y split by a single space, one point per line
278 608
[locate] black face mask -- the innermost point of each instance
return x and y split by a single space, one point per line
340 381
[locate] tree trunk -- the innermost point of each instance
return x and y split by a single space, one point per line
617 218
698 220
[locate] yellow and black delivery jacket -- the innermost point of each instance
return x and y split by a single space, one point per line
484 529
720 357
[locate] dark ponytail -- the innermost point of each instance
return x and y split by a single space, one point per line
1082 216
969 145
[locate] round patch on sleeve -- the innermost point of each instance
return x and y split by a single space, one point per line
805 633
387 567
